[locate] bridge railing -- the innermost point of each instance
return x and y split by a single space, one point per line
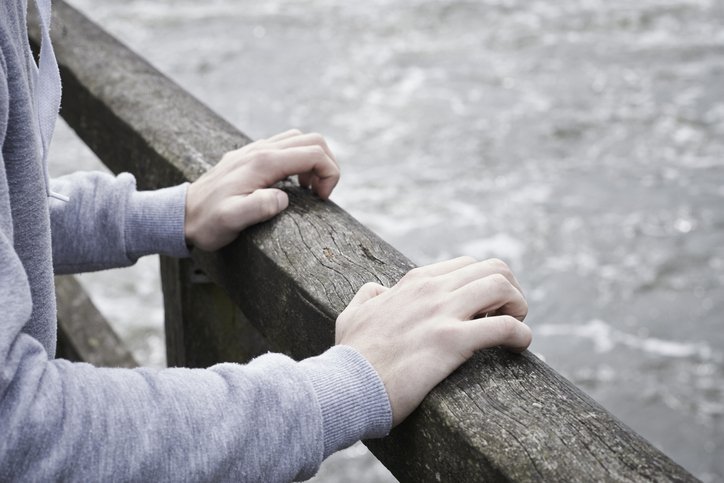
281 284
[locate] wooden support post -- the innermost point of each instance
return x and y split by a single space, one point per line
203 326
84 335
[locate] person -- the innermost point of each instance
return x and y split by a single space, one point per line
273 419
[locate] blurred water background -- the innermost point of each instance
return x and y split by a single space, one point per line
580 140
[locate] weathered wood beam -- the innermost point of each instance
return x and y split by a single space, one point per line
499 417
203 326
83 333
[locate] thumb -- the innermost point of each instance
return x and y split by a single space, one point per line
368 291
260 205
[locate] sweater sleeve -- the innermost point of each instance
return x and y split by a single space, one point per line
107 223
273 419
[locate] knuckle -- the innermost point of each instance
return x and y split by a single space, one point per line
260 158
230 156
427 285
499 266
428 293
317 151
415 273
231 160
500 283
317 138
468 259
368 287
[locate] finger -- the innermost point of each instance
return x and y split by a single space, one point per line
273 166
310 181
260 144
239 212
227 160
497 331
368 291
475 271
311 139
492 294
305 180
442 268
284 135
323 185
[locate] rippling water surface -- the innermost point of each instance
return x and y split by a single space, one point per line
582 141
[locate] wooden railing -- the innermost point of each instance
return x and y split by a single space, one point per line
83 333
281 284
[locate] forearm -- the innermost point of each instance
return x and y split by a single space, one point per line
271 420
107 223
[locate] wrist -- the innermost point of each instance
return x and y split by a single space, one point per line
189 217
155 222
352 398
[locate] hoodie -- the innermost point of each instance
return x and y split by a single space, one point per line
273 419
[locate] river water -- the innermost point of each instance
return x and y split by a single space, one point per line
582 141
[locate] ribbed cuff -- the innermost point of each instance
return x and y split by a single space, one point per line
351 396
155 222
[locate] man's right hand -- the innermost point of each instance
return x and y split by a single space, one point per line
422 329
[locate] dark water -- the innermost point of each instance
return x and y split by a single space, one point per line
582 141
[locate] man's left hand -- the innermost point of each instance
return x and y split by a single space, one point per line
236 192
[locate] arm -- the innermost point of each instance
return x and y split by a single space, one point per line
107 223
272 420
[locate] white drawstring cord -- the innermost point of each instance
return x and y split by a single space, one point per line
58 196
48 91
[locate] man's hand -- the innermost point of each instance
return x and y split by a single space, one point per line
236 192
419 331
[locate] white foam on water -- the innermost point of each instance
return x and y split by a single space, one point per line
605 338
500 245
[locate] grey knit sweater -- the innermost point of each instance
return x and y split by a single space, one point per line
272 420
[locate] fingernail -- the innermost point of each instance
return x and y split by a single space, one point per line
282 200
